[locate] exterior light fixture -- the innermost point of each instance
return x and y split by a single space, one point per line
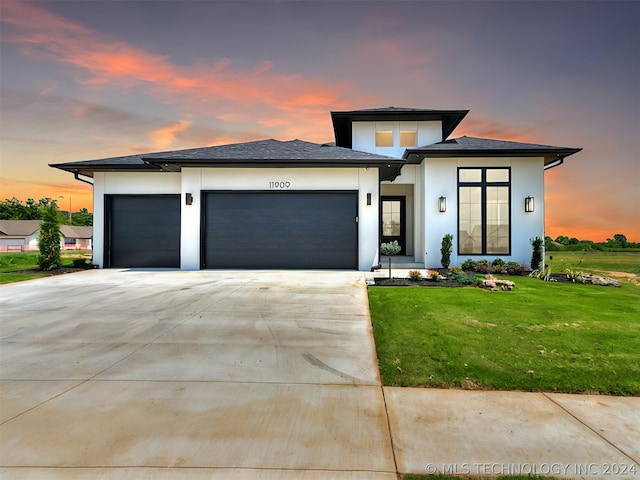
368 199
188 199
529 205
442 204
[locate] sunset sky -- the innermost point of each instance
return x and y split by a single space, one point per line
92 79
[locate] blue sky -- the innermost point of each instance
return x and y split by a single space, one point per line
92 79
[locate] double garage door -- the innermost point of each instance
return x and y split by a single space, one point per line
238 230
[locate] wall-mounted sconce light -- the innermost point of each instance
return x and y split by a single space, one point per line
188 199
528 204
368 199
442 204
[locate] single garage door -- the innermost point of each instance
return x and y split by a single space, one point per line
280 230
142 231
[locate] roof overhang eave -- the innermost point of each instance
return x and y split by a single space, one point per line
552 158
178 165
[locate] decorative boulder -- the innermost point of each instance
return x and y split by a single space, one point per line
598 280
494 284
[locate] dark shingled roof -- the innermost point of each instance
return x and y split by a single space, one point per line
486 147
342 120
261 153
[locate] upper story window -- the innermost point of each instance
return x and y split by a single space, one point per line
408 138
384 138
484 217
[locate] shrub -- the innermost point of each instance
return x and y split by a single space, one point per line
445 250
390 249
536 257
482 266
477 278
574 275
81 262
415 275
49 238
468 265
460 277
435 275
498 262
499 269
514 268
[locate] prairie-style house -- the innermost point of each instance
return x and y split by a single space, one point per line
391 174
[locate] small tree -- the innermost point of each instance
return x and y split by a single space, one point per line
536 257
445 250
390 249
49 238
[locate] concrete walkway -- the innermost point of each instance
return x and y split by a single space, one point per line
258 375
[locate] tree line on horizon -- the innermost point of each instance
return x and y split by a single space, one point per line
14 209
616 242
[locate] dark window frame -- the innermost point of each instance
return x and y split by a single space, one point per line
483 184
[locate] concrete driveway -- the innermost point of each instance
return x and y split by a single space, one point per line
217 374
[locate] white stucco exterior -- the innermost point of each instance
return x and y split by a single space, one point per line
440 179
428 170
125 183
198 180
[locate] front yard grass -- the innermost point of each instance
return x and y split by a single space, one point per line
15 267
542 336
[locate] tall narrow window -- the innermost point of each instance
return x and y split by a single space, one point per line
484 226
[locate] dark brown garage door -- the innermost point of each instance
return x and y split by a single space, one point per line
280 230
142 231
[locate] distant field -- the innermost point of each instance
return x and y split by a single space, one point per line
595 262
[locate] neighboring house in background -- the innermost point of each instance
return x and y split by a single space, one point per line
75 237
22 236
392 174
19 235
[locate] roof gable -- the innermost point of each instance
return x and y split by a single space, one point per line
19 228
76 231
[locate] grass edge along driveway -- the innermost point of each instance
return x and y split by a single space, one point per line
542 336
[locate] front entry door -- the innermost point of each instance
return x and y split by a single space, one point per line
393 221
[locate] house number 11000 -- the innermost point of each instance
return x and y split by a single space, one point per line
279 184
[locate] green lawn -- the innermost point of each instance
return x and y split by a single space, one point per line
13 266
594 262
542 336
449 477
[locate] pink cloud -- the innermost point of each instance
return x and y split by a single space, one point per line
112 62
165 136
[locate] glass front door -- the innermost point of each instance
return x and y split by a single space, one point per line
393 221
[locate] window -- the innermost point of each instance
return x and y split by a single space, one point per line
484 226
391 218
384 138
408 138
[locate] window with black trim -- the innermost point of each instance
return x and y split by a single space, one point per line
484 215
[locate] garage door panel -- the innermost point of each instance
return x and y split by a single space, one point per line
280 230
143 231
